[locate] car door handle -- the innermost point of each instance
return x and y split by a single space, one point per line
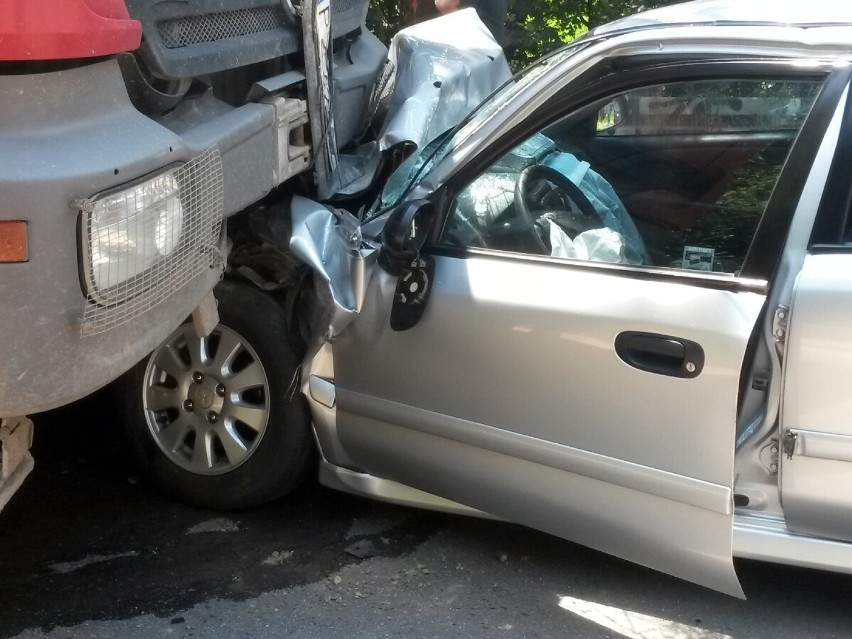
660 354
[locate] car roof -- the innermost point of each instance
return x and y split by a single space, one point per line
809 13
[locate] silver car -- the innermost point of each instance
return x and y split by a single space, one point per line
613 304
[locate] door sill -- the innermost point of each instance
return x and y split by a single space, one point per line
766 538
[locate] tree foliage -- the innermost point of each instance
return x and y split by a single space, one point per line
535 27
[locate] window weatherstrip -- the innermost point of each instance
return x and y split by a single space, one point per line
832 219
710 280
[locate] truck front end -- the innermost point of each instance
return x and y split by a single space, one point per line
130 132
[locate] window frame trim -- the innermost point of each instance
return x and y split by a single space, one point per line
770 237
834 214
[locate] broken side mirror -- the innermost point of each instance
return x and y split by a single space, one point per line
403 236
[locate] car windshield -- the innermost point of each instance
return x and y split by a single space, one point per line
410 172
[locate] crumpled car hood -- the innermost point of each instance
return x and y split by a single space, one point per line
436 73
443 69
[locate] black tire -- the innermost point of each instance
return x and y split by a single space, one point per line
279 449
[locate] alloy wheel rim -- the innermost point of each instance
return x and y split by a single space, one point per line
206 400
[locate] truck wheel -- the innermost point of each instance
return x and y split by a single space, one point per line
219 421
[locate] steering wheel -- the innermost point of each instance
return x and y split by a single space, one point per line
525 193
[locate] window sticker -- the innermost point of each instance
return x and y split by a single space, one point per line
698 258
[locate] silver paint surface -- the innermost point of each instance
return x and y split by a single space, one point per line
816 481
508 396
513 367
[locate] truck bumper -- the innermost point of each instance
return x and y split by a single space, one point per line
67 136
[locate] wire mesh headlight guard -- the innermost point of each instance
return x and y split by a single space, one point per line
142 242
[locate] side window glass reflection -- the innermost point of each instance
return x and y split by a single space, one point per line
672 176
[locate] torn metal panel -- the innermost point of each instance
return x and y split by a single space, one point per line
444 68
330 242
356 171
437 72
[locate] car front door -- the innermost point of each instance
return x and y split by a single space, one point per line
577 369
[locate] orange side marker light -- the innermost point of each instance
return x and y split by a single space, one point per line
13 241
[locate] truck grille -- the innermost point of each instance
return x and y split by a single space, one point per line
212 27
339 6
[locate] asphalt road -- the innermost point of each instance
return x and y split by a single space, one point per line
89 550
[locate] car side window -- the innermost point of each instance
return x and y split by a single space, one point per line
674 176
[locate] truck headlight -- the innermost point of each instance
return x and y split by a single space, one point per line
143 242
127 232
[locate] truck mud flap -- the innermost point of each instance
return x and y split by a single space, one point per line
16 439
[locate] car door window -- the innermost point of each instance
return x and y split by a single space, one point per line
674 176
